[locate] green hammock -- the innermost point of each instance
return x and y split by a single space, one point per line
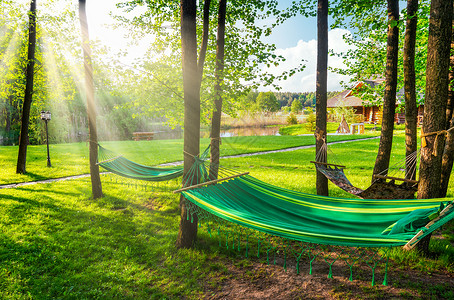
252 203
121 166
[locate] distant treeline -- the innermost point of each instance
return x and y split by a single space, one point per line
306 98
274 101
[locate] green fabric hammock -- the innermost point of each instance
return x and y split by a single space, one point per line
126 168
316 219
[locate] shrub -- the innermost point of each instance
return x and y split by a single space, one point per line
310 119
292 120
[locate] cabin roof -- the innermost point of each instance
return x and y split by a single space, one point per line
346 97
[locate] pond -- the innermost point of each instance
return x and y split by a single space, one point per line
231 132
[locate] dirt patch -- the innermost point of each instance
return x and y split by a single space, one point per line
257 280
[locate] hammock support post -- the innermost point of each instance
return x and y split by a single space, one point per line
209 182
107 160
328 164
396 178
415 240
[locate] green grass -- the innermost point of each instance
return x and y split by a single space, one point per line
57 242
72 159
299 129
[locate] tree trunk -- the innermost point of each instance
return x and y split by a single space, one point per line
450 103
96 186
411 109
321 88
389 99
438 54
204 43
188 230
447 162
23 138
448 153
216 118
438 49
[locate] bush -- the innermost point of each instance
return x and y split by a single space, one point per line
292 120
310 119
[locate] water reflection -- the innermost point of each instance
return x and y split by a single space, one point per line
205 133
250 131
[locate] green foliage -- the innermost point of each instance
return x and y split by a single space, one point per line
245 54
310 119
291 119
58 69
296 107
306 98
368 59
248 101
267 102
286 109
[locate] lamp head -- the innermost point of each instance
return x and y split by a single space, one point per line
45 115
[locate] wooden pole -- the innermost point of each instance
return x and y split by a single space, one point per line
395 178
107 160
412 243
328 164
208 182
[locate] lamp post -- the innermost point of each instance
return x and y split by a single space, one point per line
46 116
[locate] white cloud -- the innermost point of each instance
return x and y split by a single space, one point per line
306 52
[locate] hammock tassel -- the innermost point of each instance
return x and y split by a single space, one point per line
233 241
373 276
219 236
310 263
285 259
298 265
227 240
385 280
247 246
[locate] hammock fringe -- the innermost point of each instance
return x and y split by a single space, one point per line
292 254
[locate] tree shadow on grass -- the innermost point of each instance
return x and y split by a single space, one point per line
84 248
36 177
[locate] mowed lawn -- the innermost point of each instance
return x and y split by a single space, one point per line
57 242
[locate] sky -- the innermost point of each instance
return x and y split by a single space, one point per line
295 40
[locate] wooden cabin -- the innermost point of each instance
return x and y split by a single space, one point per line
367 112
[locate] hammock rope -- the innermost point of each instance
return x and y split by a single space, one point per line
442 133
380 188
